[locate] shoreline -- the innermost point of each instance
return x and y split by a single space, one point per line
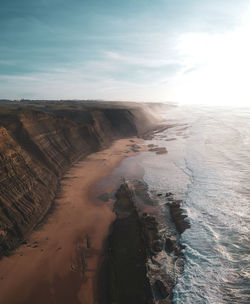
65 250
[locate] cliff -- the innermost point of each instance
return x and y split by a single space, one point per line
36 148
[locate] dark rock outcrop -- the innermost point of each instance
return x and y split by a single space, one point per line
158 150
178 217
151 234
170 244
126 274
160 290
138 243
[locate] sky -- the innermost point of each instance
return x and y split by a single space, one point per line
186 51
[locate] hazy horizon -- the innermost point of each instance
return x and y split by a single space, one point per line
189 52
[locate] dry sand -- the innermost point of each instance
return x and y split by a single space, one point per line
60 261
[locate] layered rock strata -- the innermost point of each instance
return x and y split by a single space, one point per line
36 148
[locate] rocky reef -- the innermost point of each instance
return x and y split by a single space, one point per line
37 147
143 257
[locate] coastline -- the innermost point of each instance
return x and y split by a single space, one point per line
63 255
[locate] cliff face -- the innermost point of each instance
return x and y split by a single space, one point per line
35 150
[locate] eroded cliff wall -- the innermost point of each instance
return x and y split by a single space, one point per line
35 150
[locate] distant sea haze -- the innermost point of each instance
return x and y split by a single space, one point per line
208 166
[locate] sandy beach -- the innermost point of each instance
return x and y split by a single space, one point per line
59 262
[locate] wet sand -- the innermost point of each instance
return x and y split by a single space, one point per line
60 261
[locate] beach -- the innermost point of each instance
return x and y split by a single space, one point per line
59 262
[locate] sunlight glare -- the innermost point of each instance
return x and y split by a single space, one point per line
217 68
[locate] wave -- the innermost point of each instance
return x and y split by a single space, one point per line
208 165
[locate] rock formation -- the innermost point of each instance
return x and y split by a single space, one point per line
36 148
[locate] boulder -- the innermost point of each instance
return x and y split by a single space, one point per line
170 244
157 246
160 290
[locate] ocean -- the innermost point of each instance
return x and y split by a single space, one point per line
208 167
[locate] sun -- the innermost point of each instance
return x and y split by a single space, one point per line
217 68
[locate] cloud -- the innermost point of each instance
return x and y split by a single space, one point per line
140 61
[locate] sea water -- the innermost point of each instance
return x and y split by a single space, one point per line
208 167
